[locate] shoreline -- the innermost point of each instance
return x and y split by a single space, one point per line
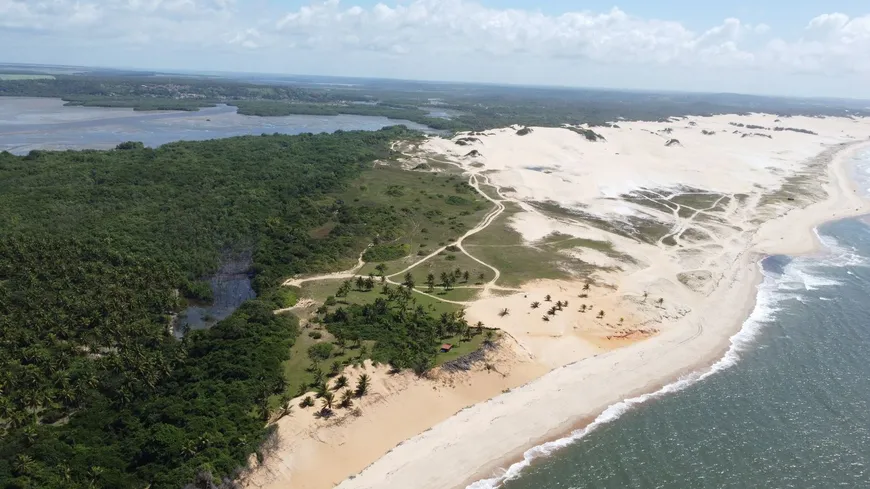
836 170
742 277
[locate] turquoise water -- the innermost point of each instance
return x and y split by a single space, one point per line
788 407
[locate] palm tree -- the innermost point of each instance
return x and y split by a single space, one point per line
318 377
583 308
430 281
645 294
347 399
360 283
327 403
23 464
340 382
661 300
381 269
409 280
481 276
286 405
457 273
504 312
344 289
465 276
547 297
335 368
490 334
552 311
601 314
546 318
445 280
535 304
362 385
586 285
370 284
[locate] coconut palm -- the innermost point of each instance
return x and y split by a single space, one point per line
340 382
362 385
504 312
381 269
347 399
23 464
490 334
327 403
535 304
465 276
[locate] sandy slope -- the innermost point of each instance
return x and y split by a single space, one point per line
693 324
701 265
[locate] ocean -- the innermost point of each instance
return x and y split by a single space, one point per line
787 407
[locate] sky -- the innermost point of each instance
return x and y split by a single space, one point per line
784 47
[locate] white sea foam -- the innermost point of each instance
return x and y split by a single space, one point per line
773 290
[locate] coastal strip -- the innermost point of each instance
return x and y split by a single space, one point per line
481 441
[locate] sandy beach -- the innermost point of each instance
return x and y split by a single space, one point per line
687 208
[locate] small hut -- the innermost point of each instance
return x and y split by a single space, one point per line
446 347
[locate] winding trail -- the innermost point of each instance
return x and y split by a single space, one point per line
488 219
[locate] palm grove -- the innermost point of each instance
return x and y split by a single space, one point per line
99 250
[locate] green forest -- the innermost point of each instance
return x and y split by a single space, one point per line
100 249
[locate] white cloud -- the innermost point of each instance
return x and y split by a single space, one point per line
402 33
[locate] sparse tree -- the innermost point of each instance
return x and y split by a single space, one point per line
327 403
445 280
347 399
488 337
362 385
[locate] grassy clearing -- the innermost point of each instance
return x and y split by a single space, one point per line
502 247
439 208
460 348
448 262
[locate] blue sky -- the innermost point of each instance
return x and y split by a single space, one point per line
798 47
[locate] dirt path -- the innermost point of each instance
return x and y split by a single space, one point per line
487 220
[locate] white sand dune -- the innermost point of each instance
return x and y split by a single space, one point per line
702 264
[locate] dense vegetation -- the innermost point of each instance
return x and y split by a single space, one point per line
405 334
98 249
